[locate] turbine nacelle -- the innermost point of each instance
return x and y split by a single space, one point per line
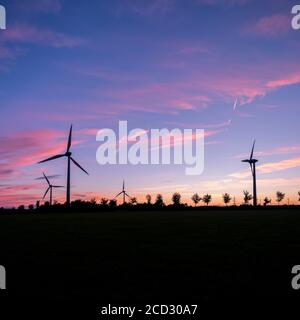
250 161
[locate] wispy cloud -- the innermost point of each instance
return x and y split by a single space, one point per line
286 80
25 34
199 125
270 26
274 151
145 7
279 166
269 167
24 149
187 47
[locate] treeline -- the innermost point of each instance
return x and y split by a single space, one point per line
150 203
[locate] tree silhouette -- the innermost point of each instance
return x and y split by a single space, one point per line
104 201
176 199
159 200
196 199
113 203
247 196
267 201
93 202
133 201
279 196
148 199
207 199
226 198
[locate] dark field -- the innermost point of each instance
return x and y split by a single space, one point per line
199 256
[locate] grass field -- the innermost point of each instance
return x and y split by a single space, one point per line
183 255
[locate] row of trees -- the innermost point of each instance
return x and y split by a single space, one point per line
206 199
159 201
279 198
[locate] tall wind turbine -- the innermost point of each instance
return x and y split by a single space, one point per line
123 192
68 155
252 162
50 187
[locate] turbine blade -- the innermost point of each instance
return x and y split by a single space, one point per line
57 186
251 166
52 158
46 179
118 194
127 195
246 161
251 156
70 139
123 185
46 192
78 165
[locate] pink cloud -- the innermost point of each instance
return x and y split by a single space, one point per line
271 26
284 81
18 152
30 34
279 166
24 149
270 167
199 125
275 151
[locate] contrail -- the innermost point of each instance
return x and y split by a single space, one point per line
235 104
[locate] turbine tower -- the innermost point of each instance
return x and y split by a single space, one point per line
252 162
123 192
68 155
50 188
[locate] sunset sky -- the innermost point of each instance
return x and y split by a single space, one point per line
230 67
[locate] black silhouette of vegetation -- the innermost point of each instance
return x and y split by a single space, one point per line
207 199
226 198
279 197
196 198
247 196
267 201
105 204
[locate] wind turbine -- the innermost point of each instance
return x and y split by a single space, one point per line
68 155
123 192
50 187
252 162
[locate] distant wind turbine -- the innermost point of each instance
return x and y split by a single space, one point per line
68 154
252 162
123 192
50 187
